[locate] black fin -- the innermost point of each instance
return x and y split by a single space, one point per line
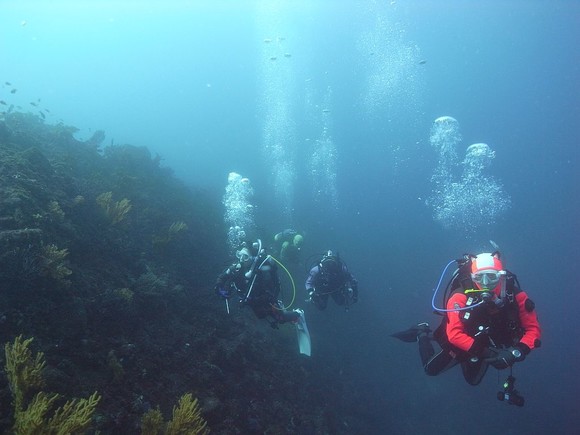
408 336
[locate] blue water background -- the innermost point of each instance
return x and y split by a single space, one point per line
187 80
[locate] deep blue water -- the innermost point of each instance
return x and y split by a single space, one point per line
195 82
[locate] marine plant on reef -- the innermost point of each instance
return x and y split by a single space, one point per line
24 372
115 211
186 419
31 414
125 294
175 230
55 211
115 366
54 263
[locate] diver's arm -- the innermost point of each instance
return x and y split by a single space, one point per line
223 281
275 277
456 329
528 322
353 284
227 275
311 280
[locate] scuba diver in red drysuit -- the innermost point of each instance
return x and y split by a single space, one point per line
488 320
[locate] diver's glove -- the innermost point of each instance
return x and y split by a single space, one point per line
352 294
222 292
312 295
524 349
504 358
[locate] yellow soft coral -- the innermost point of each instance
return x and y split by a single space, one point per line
176 228
24 374
152 422
32 419
187 420
54 262
74 416
23 371
115 211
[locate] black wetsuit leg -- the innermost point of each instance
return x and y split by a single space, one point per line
320 301
338 297
426 349
260 307
473 372
434 363
283 316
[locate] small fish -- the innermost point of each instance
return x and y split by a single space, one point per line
3 102
273 58
267 40
8 83
325 110
287 55
42 115
422 62
33 104
13 91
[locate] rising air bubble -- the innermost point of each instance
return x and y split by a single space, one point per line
465 196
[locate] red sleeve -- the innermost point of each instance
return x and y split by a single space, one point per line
528 321
455 328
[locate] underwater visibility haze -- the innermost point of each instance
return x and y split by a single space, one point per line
142 142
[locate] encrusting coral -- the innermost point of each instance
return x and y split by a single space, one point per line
24 374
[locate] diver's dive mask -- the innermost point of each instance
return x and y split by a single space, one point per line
487 282
488 278
243 256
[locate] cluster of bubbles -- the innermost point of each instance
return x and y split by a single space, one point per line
278 146
323 170
322 158
393 81
477 158
239 213
469 199
445 137
394 72
278 81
